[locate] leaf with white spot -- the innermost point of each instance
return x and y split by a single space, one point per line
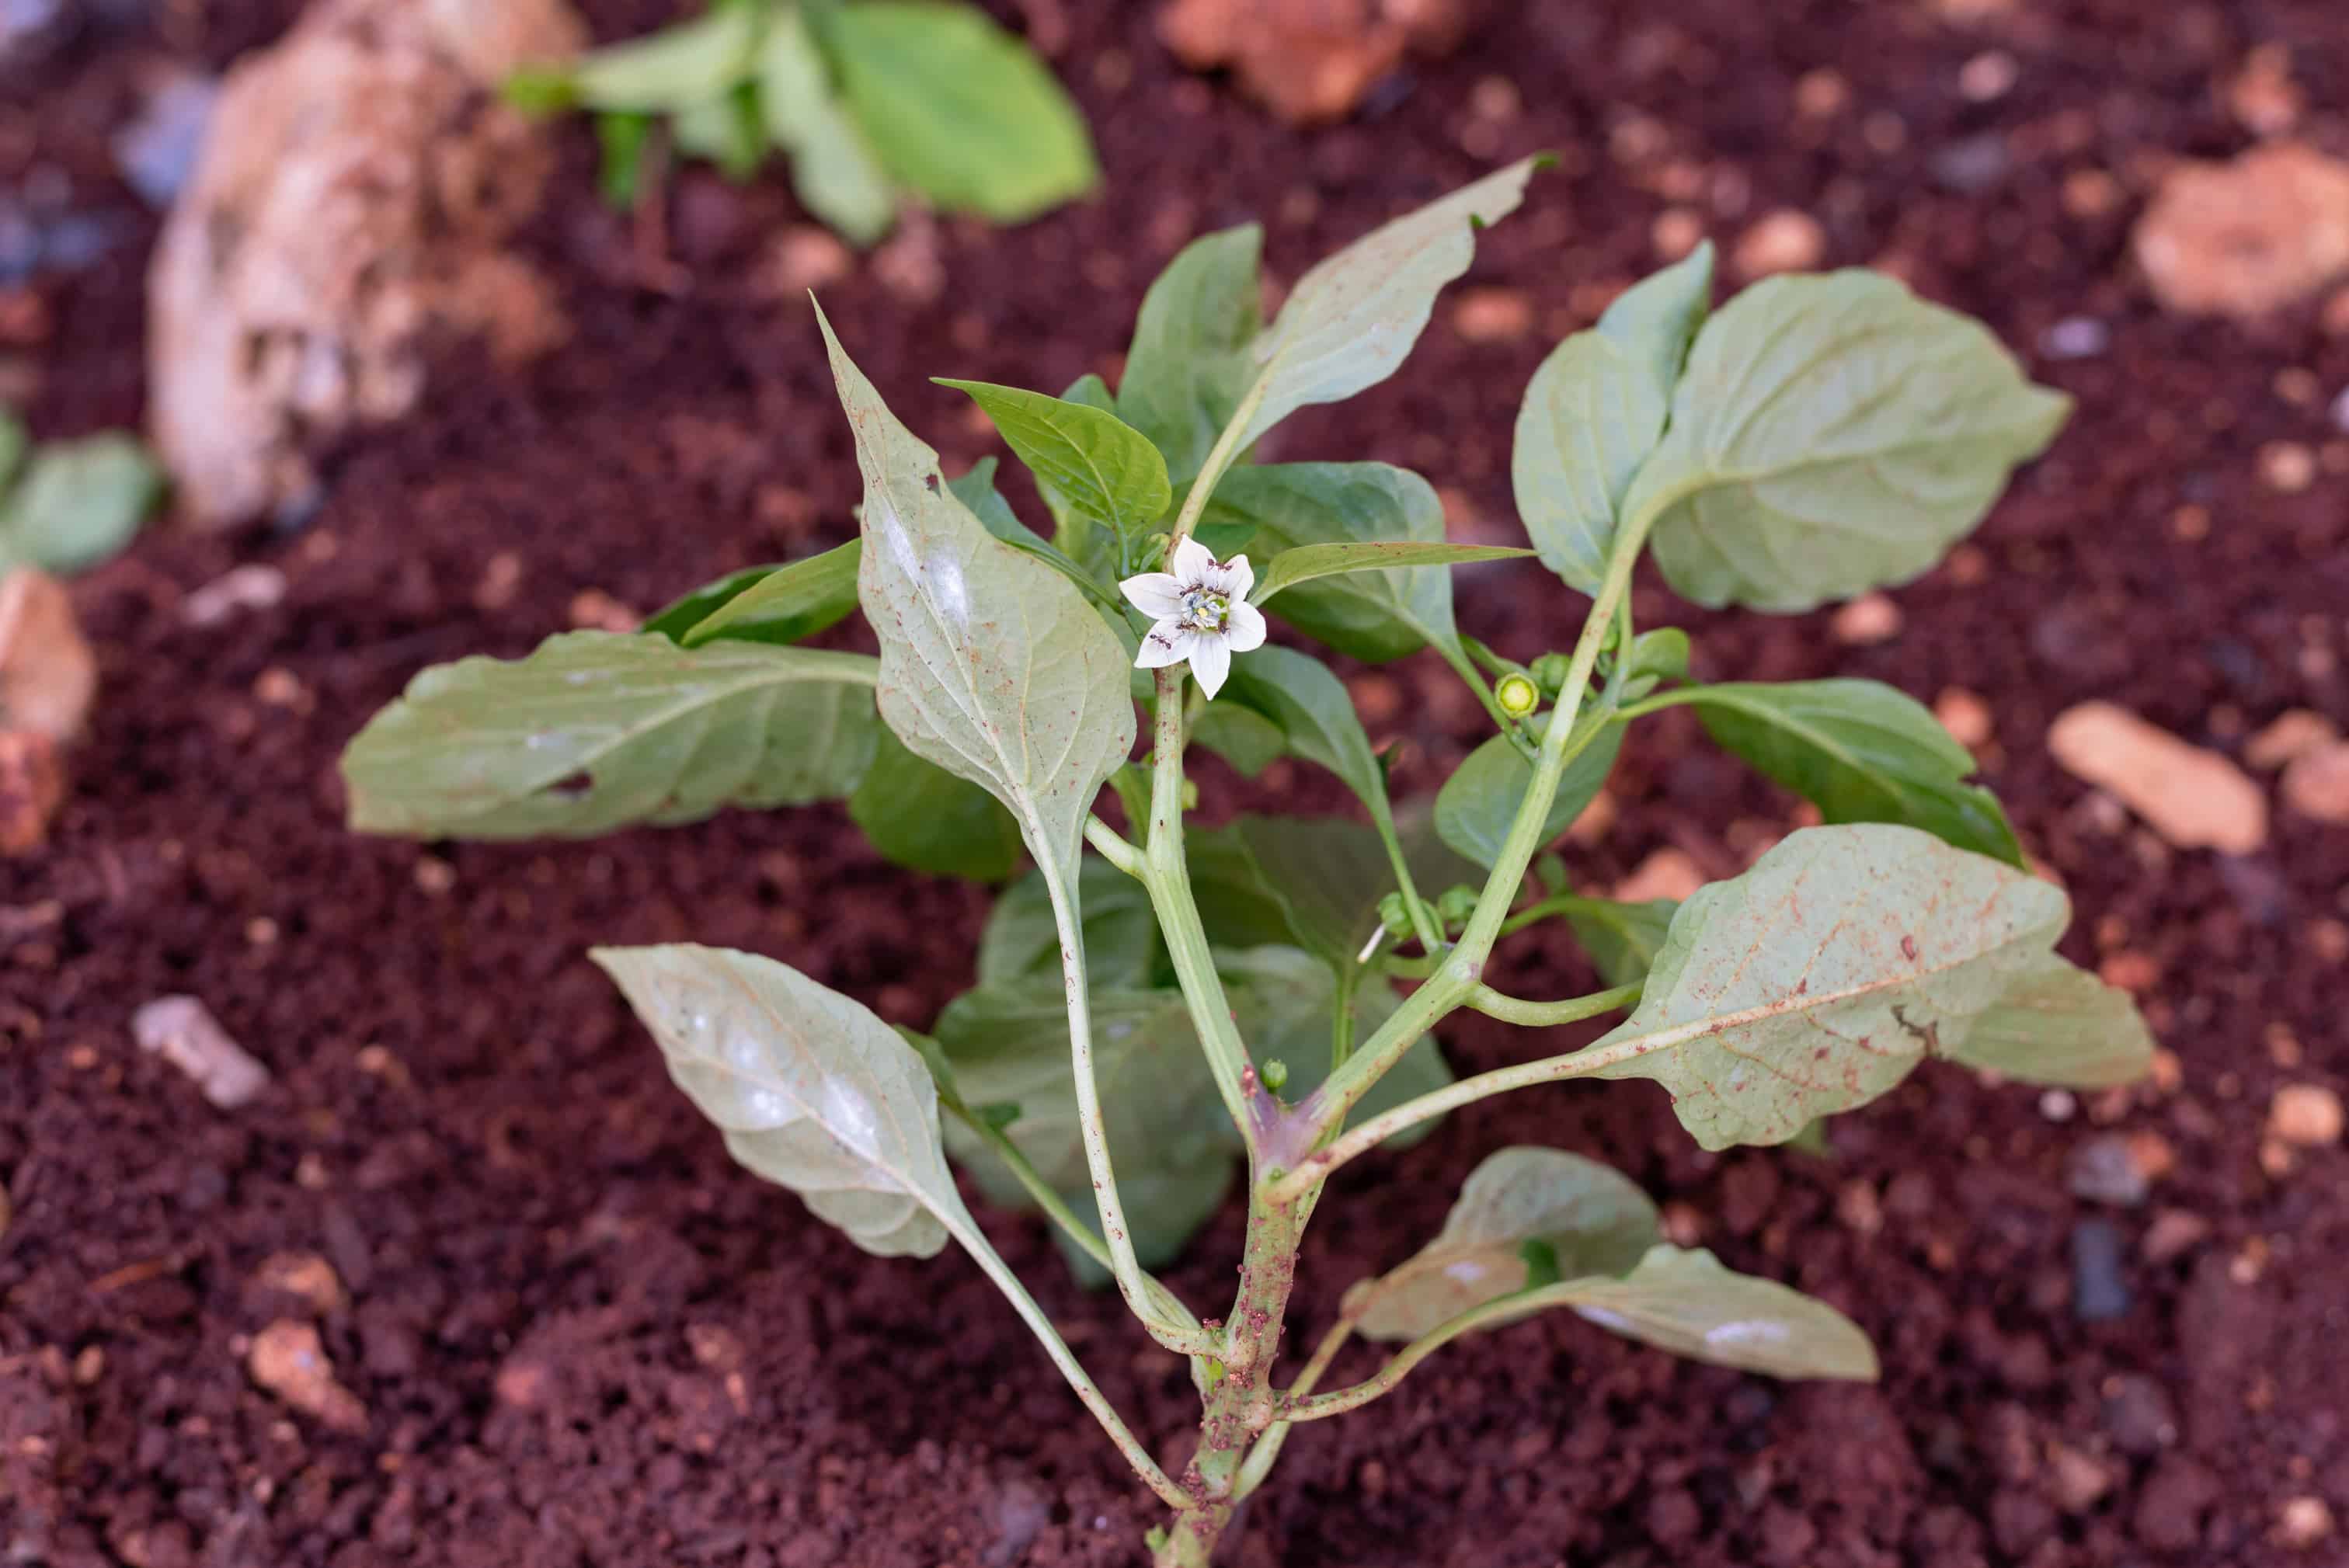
812 1090
2060 1025
1686 1302
1816 981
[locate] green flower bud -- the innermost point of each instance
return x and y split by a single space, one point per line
1550 672
1394 917
1190 794
1456 904
1517 694
1275 1075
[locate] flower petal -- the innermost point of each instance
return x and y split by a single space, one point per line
1245 629
1168 642
1235 577
1193 561
1155 594
1211 661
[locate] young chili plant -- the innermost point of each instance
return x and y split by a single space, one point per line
1160 1005
867 99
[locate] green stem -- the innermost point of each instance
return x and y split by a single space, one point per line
1546 1015
1422 925
1113 847
1561 904
1506 1308
1341 1019
1220 457
1268 1447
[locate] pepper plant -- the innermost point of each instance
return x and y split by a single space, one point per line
1161 1007
867 99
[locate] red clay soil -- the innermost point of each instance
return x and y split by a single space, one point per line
581 1336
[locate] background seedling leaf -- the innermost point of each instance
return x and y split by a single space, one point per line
1862 751
1121 943
1354 317
1314 883
1477 803
2060 1025
1576 1216
78 503
1307 563
1832 434
1369 615
1241 736
1658 656
833 169
1189 365
921 816
1084 459
1623 939
993 666
783 605
596 730
1298 694
694 62
1686 1302
812 1090
1593 412
959 108
1816 981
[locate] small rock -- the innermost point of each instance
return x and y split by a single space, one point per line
2193 797
2262 96
2317 783
2291 735
157 151
1667 874
592 609
2075 1480
2076 337
2302 1522
2305 1115
183 1031
305 1276
47 674
2248 237
1675 232
1309 61
1989 76
1965 716
2173 1233
1786 241
1858 1207
240 588
1972 166
2111 1169
2171 1505
1871 618
2287 468
2140 1415
911 263
1493 315
2099 1294
289 1361
32 787
807 257
2059 1105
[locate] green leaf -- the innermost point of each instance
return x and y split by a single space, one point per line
1480 801
78 503
1310 707
975 488
785 604
1622 939
812 1090
620 138
2060 1025
1656 319
1816 981
727 131
1354 317
1591 1220
694 62
596 730
1122 941
833 169
1090 391
1313 882
1658 656
1241 736
1189 365
921 816
681 614
992 665
1084 459
1306 562
959 108
1686 1302
1008 1042
14 442
1862 752
1374 617
1832 434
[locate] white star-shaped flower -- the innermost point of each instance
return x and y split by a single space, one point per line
1202 610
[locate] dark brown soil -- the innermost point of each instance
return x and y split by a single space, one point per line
582 1337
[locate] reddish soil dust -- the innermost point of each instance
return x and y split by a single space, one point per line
577 1335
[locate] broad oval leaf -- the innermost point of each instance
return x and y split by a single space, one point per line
1860 751
1369 615
1354 317
1657 655
596 730
1241 736
1622 939
2060 1025
694 61
1121 943
1816 981
1593 412
1832 434
1688 1304
812 1090
1478 805
1525 1217
1308 562
992 665
1084 459
78 503
921 816
785 605
1314 883
688 609
1309 704
1188 365
959 108
833 169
